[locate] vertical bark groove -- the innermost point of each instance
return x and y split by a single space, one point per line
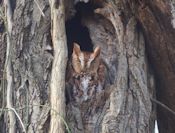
8 69
130 108
134 36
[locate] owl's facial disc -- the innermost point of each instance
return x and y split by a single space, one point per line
90 60
81 58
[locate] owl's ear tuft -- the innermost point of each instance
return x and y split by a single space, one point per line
96 51
76 49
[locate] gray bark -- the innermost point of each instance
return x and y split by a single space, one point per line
57 83
31 63
157 20
129 108
136 38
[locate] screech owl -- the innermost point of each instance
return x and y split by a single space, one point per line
88 70
87 62
87 76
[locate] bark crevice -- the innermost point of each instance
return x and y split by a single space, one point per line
136 40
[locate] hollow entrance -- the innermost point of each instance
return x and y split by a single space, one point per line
76 31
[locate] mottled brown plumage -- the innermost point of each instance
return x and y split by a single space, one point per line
86 79
87 62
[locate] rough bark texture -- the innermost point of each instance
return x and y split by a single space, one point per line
2 76
134 35
157 20
2 47
31 64
129 108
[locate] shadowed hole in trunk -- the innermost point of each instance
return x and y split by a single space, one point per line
76 31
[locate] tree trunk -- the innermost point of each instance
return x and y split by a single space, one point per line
30 65
136 40
57 85
157 22
129 108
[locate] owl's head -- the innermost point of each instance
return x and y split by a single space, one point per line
83 61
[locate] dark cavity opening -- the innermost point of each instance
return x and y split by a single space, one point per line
76 31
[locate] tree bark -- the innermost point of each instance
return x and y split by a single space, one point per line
129 108
136 40
57 86
30 64
157 21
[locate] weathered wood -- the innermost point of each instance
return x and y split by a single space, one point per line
8 69
31 64
129 108
57 85
127 31
157 21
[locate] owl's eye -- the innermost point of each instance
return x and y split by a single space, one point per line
93 61
92 77
77 77
79 61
